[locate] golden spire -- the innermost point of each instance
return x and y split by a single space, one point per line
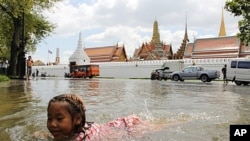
156 35
222 31
180 53
186 34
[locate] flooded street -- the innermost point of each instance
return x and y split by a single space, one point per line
191 110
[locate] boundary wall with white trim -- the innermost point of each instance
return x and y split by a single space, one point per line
134 69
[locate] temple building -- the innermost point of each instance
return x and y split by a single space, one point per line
154 50
181 51
107 54
79 57
218 47
97 54
222 46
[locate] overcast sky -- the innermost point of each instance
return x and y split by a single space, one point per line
130 23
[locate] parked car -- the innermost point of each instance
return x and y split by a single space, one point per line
166 68
160 74
238 71
195 72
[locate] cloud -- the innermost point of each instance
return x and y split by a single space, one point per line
130 22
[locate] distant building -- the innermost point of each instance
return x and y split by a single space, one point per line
57 57
181 51
218 47
154 50
79 57
107 54
97 54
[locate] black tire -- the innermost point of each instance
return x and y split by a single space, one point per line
204 78
176 77
238 83
245 83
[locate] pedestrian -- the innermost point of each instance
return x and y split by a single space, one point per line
37 72
224 72
29 64
4 66
67 121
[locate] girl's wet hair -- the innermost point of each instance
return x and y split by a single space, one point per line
76 106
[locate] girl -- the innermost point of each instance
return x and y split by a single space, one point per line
67 121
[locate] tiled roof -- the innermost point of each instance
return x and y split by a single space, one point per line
105 54
219 43
188 50
219 47
97 51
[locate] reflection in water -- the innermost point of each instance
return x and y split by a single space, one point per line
190 110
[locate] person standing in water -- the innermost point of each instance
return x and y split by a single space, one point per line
29 64
224 72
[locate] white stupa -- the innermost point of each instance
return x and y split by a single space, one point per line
79 56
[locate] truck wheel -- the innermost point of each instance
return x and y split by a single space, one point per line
176 77
238 83
245 83
204 78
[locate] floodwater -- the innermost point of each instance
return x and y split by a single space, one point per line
190 110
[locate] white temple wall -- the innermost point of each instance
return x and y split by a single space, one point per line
136 69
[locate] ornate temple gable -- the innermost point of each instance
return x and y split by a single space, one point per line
119 55
155 50
222 32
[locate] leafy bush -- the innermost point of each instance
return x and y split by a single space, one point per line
4 78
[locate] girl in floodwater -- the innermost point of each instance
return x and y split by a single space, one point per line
67 121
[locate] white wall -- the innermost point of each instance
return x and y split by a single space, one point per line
136 69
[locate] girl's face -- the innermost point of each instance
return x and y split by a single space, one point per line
59 122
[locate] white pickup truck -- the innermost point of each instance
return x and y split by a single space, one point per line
193 73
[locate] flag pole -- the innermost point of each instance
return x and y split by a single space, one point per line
48 59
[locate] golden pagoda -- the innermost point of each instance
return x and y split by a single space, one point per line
154 50
222 32
156 35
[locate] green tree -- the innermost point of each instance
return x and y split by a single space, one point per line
22 27
241 8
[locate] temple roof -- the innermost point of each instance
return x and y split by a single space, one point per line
188 50
217 44
98 51
106 54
